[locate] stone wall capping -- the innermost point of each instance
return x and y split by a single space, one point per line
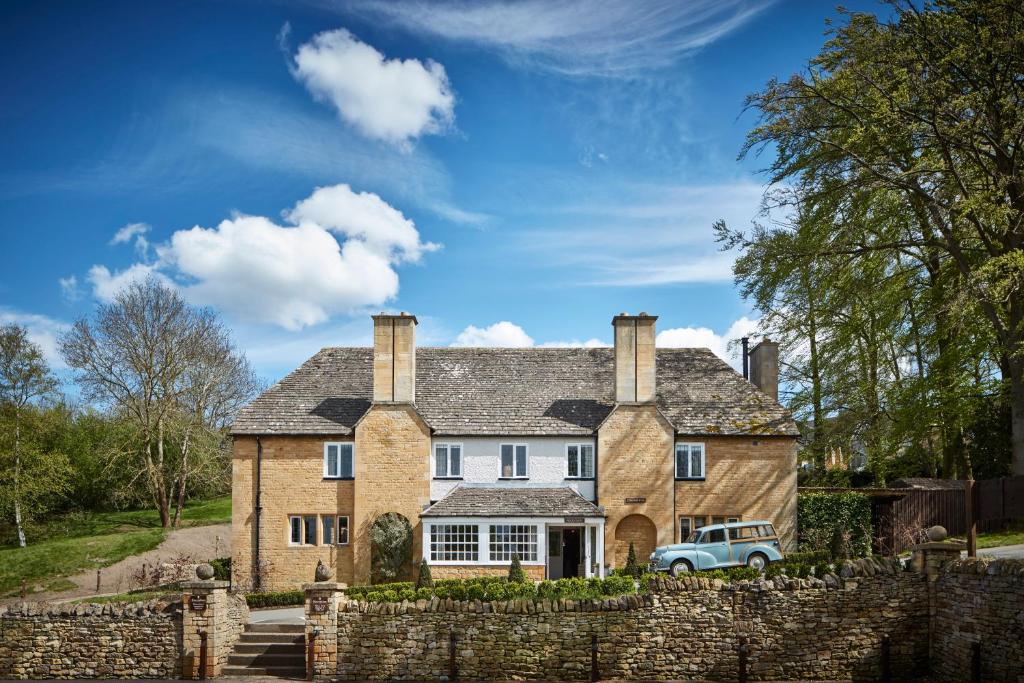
205 585
324 586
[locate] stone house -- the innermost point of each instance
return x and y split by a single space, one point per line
563 456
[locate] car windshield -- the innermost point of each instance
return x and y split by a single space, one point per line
692 538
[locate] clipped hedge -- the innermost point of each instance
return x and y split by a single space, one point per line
496 588
275 599
836 523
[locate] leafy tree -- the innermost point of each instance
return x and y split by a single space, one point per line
171 372
423 578
390 547
515 570
28 476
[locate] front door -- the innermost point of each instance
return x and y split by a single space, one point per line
571 552
554 554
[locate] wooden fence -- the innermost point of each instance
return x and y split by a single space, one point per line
900 518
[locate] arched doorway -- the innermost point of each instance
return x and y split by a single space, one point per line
641 532
390 548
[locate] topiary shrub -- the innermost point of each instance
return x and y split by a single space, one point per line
390 547
275 599
423 579
632 567
515 570
836 523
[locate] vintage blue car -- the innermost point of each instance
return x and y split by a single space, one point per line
754 544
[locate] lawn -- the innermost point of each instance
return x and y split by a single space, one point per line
1012 535
79 541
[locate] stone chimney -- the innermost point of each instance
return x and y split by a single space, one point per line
634 358
394 358
764 367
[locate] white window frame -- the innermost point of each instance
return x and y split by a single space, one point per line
579 454
525 536
448 445
337 529
339 445
463 527
703 460
302 531
524 475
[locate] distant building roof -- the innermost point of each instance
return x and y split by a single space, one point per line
473 391
507 501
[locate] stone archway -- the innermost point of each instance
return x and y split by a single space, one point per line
391 544
641 532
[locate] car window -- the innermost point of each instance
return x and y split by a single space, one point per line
713 536
768 530
743 532
692 538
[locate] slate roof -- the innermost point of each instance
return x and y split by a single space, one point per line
523 392
519 501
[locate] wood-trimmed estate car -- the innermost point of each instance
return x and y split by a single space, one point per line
718 546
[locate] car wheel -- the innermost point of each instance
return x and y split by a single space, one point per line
757 561
680 567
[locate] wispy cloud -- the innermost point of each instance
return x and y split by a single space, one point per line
42 330
575 37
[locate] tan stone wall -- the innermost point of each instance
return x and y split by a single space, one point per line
641 532
292 483
392 475
634 453
534 572
749 477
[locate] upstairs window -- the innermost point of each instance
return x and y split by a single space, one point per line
448 461
580 461
513 461
339 461
689 461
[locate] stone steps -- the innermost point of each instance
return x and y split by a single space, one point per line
269 650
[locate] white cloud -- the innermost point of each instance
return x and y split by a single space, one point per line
106 285
69 288
129 231
363 216
703 337
294 275
42 331
394 100
579 37
502 333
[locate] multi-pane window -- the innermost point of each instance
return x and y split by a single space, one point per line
685 527
448 461
689 461
507 540
328 526
302 529
454 543
342 531
339 460
513 461
580 460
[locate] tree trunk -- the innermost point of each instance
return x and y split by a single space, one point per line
182 480
1017 415
17 480
162 501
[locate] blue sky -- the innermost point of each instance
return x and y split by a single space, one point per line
512 173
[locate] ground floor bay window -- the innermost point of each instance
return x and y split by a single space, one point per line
557 547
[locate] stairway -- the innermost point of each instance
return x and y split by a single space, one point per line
269 650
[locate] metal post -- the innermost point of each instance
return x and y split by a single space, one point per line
453 666
310 655
24 589
202 655
886 659
970 507
744 651
976 662
98 580
593 657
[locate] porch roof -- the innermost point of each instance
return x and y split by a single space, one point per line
507 501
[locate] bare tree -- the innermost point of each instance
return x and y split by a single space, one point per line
170 369
24 377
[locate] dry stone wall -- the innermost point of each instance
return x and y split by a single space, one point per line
140 640
796 629
978 601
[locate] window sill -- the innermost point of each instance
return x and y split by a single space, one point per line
513 478
339 478
691 478
448 478
580 478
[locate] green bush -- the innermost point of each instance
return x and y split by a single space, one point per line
498 588
277 599
515 570
836 523
632 567
221 568
812 557
424 579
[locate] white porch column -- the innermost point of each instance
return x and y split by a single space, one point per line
600 549
587 550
